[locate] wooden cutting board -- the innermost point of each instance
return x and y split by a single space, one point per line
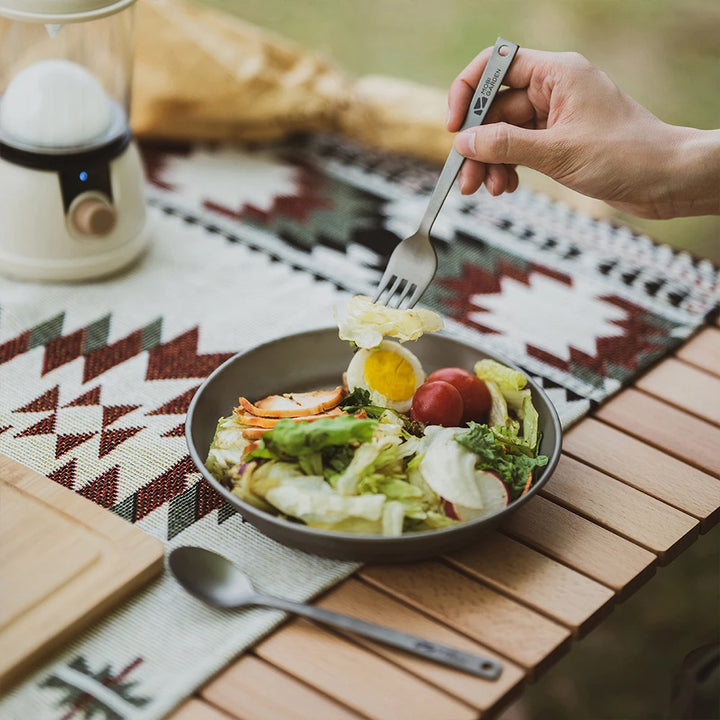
64 563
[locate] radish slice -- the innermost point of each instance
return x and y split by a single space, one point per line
495 497
465 513
449 510
494 491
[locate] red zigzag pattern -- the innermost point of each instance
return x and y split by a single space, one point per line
176 359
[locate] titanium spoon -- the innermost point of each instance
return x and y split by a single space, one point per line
215 580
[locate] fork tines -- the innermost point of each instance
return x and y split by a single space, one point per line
396 292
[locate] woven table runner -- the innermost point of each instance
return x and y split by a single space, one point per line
250 245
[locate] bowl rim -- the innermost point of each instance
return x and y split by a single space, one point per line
249 511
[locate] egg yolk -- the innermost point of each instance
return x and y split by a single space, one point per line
389 374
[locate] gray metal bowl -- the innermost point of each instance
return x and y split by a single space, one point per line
315 360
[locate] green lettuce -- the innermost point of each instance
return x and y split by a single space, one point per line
369 458
517 397
226 448
290 439
520 401
504 377
513 467
359 399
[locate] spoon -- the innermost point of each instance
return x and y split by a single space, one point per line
215 580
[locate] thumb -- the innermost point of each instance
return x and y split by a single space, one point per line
501 142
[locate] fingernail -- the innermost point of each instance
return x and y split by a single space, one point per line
491 185
461 184
447 117
466 143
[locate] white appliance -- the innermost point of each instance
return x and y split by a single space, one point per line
71 181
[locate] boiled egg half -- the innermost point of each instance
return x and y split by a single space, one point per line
389 372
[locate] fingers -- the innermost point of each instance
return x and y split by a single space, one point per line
511 106
497 178
501 143
500 179
462 90
513 179
525 63
472 176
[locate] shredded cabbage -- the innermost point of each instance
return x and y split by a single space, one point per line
366 323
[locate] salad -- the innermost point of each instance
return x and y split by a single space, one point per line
389 450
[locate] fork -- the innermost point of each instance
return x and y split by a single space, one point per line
413 262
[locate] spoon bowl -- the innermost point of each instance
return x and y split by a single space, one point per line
211 578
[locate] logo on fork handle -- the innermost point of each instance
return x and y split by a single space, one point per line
486 91
482 101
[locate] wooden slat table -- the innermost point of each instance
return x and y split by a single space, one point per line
638 481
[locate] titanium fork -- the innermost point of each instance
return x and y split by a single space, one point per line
413 262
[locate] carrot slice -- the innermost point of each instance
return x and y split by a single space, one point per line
527 484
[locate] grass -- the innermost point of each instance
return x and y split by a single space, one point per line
665 53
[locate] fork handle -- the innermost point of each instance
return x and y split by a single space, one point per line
487 88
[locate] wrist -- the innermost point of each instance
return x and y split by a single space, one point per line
693 184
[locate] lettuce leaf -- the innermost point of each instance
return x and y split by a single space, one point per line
312 500
290 439
520 401
409 497
359 399
504 377
226 448
393 518
513 467
369 458
530 422
498 408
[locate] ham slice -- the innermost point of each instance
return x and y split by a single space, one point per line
247 418
296 405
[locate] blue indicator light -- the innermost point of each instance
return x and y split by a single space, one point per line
83 176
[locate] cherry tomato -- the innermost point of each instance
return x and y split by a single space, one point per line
474 392
437 403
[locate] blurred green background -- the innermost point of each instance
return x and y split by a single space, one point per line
666 54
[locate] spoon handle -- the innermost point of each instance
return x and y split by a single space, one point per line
467 662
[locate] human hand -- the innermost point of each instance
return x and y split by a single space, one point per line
567 119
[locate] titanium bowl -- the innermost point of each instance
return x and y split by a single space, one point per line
316 360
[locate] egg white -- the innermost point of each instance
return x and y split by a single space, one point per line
355 374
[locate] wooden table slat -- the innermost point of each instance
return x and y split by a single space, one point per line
545 585
703 350
646 468
581 544
515 631
357 677
251 689
683 435
631 513
359 599
194 709
685 386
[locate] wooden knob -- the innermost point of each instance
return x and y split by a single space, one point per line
94 216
